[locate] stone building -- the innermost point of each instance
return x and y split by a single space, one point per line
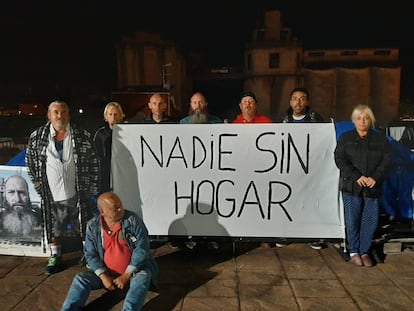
148 63
274 63
336 79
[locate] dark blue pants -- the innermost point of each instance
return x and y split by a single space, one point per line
361 221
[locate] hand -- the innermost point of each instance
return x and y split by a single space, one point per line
370 182
361 181
108 281
122 280
364 181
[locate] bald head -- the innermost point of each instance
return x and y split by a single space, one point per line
108 200
158 106
110 207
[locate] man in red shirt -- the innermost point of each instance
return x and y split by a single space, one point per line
249 115
118 255
248 107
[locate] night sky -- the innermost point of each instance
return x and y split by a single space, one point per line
71 47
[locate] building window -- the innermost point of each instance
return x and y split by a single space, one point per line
285 34
274 60
382 52
349 53
249 62
260 35
316 54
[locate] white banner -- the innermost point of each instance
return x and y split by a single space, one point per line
236 180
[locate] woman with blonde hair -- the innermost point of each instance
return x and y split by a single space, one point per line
113 114
363 158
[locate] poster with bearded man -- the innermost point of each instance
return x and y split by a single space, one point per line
21 221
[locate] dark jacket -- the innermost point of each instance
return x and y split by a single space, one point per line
369 156
103 144
150 120
310 116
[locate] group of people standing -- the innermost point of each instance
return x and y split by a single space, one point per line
70 168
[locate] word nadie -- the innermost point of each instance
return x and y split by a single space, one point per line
281 151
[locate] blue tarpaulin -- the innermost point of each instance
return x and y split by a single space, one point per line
18 159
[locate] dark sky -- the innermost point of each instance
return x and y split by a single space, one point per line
71 44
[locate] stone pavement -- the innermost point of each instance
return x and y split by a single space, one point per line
243 276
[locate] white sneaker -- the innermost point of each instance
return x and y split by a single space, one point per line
280 244
316 245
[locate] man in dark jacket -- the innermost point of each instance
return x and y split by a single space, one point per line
158 106
299 110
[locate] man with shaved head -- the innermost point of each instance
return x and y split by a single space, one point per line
158 106
118 255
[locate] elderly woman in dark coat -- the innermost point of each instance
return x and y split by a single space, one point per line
363 158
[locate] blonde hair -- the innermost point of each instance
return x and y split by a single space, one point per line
359 108
116 105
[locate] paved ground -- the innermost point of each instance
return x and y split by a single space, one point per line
245 277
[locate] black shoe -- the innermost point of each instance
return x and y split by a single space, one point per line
282 243
318 245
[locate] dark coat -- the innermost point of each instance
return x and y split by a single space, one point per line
310 116
369 156
150 120
103 144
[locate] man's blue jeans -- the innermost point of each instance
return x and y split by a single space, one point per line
361 221
84 282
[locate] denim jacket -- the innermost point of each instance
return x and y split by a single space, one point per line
136 236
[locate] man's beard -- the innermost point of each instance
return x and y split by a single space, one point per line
18 223
198 117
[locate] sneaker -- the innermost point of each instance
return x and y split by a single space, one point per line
190 245
281 244
316 245
53 265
